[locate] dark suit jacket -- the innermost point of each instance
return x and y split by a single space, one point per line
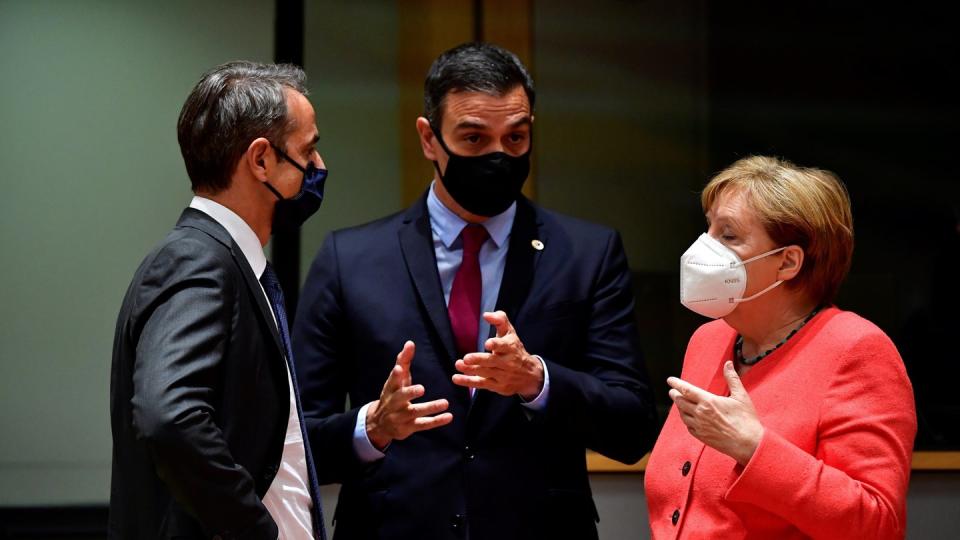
199 398
497 469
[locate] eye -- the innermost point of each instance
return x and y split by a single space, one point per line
728 235
472 138
518 137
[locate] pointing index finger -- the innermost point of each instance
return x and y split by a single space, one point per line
689 392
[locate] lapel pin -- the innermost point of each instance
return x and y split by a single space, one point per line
537 245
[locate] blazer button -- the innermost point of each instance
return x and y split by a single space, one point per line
676 516
457 524
686 468
468 453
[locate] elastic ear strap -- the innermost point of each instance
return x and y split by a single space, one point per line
747 299
436 134
275 192
437 167
762 255
288 158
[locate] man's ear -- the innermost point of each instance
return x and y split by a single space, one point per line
428 141
259 159
791 263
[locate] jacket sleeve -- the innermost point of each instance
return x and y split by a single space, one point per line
185 322
319 350
855 486
607 406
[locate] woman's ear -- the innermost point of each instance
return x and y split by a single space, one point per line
791 263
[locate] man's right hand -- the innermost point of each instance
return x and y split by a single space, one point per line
393 416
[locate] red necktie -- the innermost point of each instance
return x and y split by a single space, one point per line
464 307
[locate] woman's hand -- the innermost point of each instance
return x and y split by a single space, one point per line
726 424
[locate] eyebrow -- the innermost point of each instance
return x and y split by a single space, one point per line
470 124
723 220
476 124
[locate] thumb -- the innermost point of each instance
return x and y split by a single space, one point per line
737 391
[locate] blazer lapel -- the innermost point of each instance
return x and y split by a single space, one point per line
522 259
198 220
416 243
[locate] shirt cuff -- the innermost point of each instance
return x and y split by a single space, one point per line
362 446
539 403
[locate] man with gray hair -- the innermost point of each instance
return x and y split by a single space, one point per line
208 432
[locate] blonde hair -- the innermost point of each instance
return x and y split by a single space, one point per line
806 207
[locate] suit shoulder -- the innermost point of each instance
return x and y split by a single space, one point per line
574 226
857 336
371 228
183 253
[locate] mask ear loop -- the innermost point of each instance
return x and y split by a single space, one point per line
436 164
768 289
749 298
760 256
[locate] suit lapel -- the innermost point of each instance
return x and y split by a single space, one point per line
255 288
196 219
522 259
416 243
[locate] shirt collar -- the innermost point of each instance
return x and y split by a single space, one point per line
447 225
238 229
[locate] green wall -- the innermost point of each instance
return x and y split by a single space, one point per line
351 64
92 178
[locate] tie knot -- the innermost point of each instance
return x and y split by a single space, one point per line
473 237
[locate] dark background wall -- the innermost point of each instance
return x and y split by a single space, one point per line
869 92
639 103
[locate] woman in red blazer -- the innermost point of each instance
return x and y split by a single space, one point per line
791 418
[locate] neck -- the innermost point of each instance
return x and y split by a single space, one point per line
764 325
252 207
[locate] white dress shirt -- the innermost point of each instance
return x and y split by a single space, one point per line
288 499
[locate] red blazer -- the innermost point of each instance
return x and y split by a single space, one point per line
834 461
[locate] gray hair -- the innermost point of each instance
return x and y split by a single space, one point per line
232 105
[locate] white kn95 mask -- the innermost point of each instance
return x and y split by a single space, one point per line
713 278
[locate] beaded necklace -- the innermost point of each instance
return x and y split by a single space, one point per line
738 346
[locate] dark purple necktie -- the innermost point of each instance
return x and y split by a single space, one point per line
464 307
271 286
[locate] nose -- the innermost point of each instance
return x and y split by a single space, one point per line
317 160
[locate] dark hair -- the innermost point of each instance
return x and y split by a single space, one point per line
473 67
232 105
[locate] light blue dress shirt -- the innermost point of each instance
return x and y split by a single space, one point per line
446 227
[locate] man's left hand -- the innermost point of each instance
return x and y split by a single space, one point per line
507 369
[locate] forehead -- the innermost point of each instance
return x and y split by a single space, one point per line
733 205
462 105
301 111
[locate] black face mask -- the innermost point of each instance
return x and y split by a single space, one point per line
290 214
484 185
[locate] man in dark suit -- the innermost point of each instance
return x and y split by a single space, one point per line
514 324
207 428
